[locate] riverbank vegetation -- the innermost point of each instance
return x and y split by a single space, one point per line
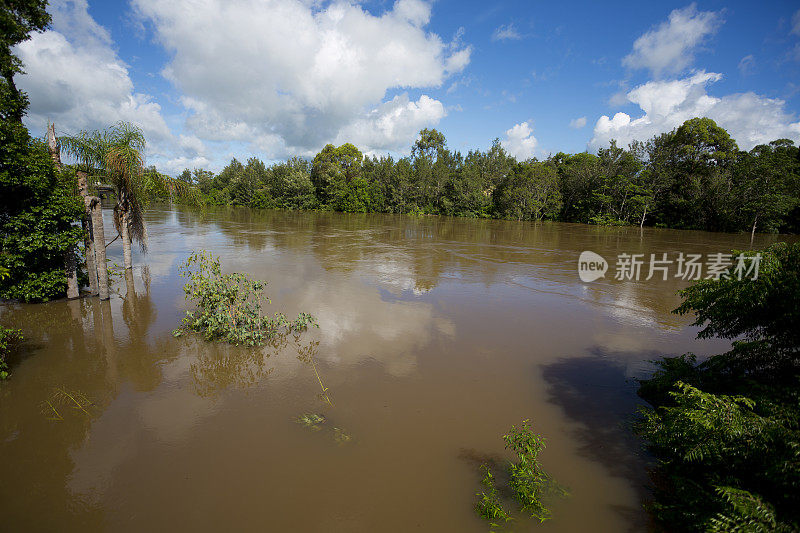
726 431
694 177
7 339
51 224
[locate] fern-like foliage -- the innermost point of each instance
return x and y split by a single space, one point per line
745 513
726 431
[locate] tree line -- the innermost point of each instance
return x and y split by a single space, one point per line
694 177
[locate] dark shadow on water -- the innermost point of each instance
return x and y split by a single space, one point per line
597 392
496 463
21 350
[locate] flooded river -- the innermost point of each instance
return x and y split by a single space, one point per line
436 335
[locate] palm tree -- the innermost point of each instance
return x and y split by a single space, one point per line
124 163
116 155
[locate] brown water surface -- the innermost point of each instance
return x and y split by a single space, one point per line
436 335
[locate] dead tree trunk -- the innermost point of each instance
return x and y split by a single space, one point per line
52 145
70 256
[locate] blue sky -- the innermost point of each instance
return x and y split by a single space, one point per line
213 79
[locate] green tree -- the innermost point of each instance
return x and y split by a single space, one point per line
700 159
429 144
186 176
116 155
620 196
18 19
767 182
579 177
402 192
38 207
333 169
38 204
529 192
289 184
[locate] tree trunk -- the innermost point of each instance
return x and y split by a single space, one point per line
130 293
753 233
70 256
88 234
93 204
91 253
71 271
126 240
52 145
641 224
109 343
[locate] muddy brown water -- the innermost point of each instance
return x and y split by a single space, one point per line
436 335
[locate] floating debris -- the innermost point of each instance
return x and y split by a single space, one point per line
67 399
312 421
341 436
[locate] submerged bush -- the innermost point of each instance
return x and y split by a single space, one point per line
489 506
228 306
527 479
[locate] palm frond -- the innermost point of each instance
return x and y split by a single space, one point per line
88 149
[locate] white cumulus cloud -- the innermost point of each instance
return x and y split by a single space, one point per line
669 48
74 77
520 141
290 76
389 126
506 32
751 119
577 123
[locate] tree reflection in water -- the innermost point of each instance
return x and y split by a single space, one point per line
219 366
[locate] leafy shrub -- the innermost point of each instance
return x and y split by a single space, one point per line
7 338
38 209
261 200
228 306
527 479
606 220
489 506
